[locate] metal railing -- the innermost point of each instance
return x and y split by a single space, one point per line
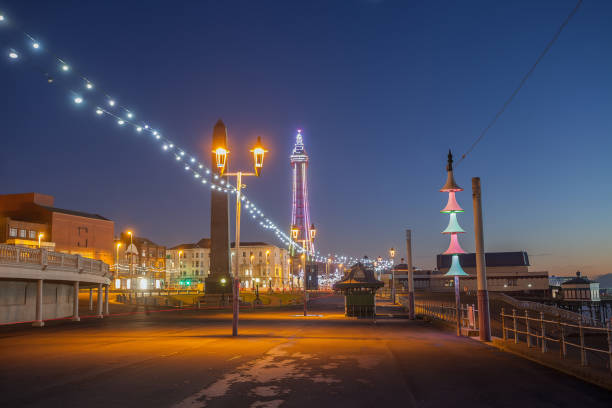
547 309
47 260
447 312
543 331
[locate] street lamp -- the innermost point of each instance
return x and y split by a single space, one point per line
179 265
221 162
131 249
40 236
256 289
117 258
392 255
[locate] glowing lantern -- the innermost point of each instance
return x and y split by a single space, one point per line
313 231
294 232
258 156
221 159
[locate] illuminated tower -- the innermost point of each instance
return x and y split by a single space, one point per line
300 212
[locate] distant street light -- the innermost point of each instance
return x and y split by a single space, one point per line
117 259
40 235
221 163
392 255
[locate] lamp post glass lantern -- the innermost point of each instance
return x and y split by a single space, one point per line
221 163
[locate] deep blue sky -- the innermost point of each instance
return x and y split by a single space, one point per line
382 90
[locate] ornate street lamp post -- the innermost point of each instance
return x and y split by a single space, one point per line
221 162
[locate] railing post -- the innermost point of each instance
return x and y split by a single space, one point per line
583 360
515 326
17 254
504 336
528 331
543 329
563 346
609 326
43 258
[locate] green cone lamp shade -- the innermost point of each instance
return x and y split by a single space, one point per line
453 225
455 269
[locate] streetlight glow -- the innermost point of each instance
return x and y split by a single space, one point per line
221 158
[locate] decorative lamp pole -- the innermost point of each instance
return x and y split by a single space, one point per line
392 255
453 228
221 162
40 236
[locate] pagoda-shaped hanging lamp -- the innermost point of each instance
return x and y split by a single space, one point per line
452 208
454 229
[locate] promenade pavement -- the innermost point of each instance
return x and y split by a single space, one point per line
281 359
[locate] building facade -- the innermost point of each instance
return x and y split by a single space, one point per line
69 231
262 264
139 263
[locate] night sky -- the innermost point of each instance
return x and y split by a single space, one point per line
381 89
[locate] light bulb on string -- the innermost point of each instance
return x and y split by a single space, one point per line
13 54
65 67
99 111
121 122
139 129
35 45
78 100
111 102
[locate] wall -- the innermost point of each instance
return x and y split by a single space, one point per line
89 237
18 301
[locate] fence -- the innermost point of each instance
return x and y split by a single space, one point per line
439 310
542 330
41 258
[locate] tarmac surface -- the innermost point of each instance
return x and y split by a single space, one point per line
281 359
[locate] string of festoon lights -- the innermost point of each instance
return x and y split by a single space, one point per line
87 93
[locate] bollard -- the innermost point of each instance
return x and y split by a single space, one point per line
199 304
515 326
528 331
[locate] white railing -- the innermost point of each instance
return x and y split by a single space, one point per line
546 332
448 312
43 259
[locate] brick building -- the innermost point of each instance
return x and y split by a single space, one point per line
73 232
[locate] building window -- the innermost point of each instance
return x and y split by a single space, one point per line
22 233
13 232
32 234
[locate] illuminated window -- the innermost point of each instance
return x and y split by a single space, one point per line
32 234
22 233
13 232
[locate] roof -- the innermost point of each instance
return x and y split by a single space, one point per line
72 212
358 277
492 259
250 244
577 281
205 243
147 241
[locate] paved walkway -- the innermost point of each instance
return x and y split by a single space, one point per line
187 359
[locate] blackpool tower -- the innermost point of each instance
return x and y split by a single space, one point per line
302 231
